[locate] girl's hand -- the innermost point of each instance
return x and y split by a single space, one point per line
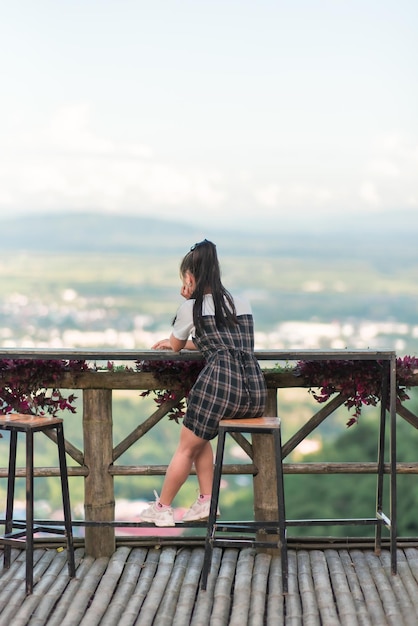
164 344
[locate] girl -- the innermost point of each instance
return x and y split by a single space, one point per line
231 383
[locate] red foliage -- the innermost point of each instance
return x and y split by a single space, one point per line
23 385
359 381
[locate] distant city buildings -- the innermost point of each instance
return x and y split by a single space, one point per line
75 322
359 334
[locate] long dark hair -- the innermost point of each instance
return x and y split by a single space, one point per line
202 262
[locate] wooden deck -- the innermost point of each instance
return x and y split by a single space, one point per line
148 585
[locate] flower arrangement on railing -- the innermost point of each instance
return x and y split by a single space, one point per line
23 386
359 381
177 378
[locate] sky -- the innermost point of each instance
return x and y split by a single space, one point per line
209 111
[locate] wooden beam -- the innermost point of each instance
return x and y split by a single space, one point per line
99 499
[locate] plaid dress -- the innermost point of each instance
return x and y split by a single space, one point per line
231 383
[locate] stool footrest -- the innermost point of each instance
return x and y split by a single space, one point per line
10 541
250 527
239 542
335 522
16 534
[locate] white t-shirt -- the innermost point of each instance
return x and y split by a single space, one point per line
184 327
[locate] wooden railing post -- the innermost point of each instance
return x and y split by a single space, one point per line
99 497
264 483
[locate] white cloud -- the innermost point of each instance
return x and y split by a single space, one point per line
287 196
392 173
67 164
268 196
317 195
368 194
384 168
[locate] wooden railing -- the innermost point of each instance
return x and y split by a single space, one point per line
97 462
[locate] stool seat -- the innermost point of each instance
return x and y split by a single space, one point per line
28 425
27 422
259 425
250 424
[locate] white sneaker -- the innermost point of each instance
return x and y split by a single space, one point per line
199 511
160 517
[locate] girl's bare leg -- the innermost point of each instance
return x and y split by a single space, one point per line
191 449
204 469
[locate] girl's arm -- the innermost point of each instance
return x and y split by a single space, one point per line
186 324
174 344
190 345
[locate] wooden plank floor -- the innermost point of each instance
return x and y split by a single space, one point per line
160 586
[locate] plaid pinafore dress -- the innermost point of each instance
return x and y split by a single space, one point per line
231 383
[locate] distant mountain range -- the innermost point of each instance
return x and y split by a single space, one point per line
388 239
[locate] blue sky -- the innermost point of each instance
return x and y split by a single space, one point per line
209 110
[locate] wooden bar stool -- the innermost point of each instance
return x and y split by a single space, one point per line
277 527
30 424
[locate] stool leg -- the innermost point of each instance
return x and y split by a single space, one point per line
66 500
11 478
29 512
281 508
213 507
380 463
